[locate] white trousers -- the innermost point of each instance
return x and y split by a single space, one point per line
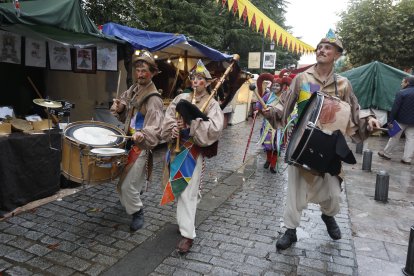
132 186
409 143
187 203
303 188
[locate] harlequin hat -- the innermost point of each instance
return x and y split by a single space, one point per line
146 56
200 69
331 38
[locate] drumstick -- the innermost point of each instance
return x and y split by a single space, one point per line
380 128
122 136
54 118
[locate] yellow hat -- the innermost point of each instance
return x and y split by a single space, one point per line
331 38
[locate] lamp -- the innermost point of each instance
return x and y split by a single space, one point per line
272 45
169 60
180 59
155 56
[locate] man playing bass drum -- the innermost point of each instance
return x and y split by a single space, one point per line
303 186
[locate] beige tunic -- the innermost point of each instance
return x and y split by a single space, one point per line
152 108
204 133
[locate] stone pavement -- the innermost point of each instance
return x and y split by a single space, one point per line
239 220
381 230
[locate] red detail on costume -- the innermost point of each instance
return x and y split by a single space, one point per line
178 175
168 195
271 157
223 2
329 109
133 154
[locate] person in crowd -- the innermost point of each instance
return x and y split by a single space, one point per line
402 113
305 186
197 133
269 137
140 108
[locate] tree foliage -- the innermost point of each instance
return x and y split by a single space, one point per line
379 30
202 20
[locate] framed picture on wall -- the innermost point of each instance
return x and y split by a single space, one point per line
106 57
84 60
35 53
269 60
10 47
59 57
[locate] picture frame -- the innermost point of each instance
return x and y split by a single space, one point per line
84 60
10 47
35 53
269 60
59 57
107 57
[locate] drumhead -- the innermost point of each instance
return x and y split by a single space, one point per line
95 134
309 113
108 151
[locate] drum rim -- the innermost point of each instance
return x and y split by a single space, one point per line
96 152
72 127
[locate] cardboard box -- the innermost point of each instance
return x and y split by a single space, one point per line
5 128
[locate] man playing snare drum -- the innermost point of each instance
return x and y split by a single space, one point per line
141 109
304 186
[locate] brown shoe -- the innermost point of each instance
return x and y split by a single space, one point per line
405 162
382 154
184 245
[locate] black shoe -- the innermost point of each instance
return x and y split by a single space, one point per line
287 239
272 170
266 164
332 227
405 162
137 221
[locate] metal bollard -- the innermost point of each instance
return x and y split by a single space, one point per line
381 186
367 160
409 265
359 147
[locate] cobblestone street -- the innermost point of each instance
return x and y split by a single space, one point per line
239 220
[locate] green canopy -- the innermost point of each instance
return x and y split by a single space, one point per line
59 20
375 84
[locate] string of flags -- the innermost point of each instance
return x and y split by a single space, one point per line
257 20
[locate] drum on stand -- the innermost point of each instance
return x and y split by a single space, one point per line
92 152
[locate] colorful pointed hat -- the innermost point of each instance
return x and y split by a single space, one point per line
200 69
331 38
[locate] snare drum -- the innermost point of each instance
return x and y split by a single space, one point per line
91 153
312 145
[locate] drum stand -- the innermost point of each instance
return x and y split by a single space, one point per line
48 123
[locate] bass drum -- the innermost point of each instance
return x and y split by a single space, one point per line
81 163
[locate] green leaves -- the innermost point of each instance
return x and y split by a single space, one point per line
378 30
